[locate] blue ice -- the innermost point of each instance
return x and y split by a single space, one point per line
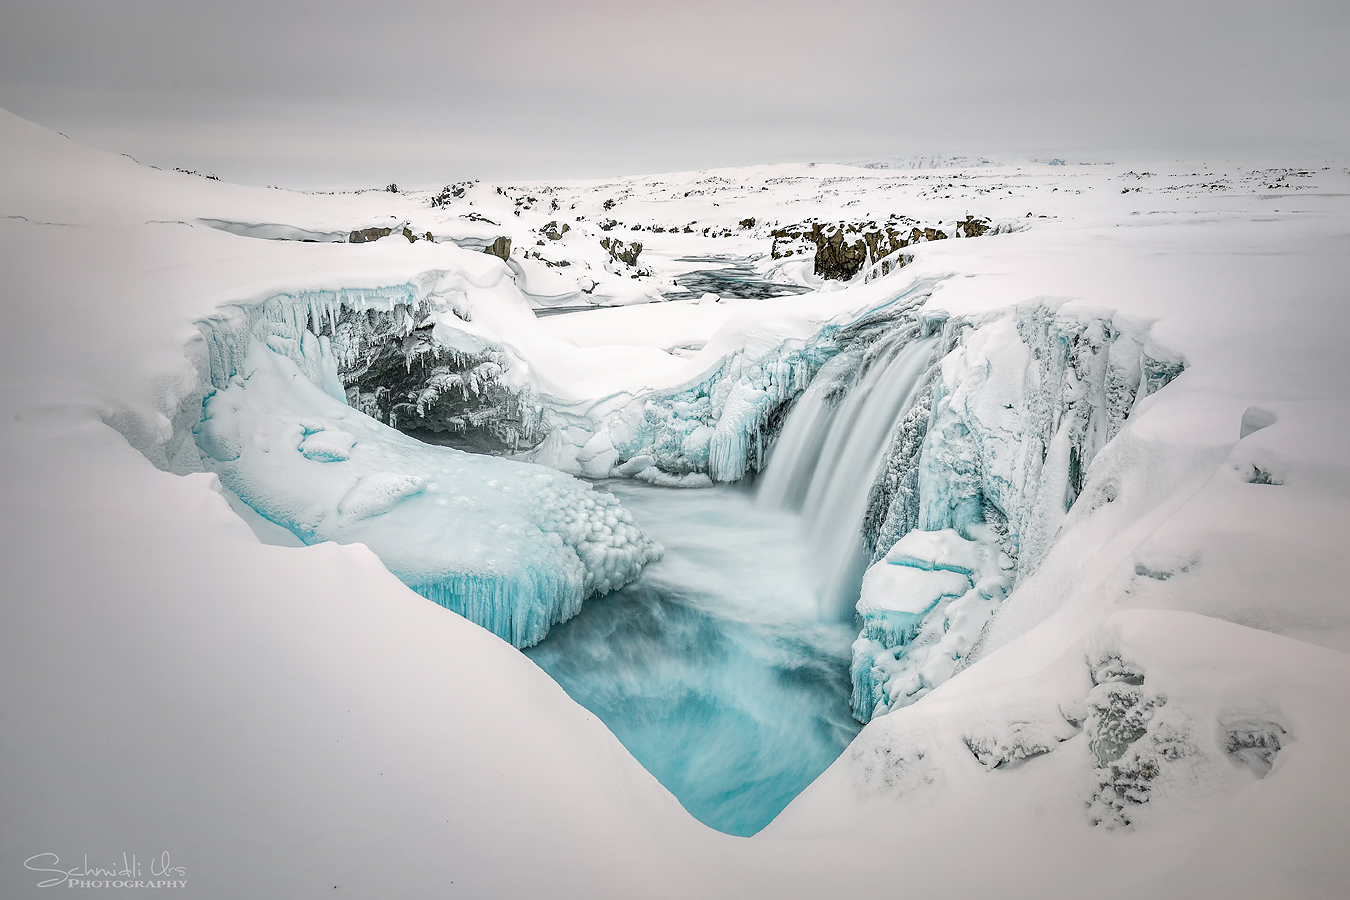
511 546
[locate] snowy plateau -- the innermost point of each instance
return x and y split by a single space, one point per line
784 531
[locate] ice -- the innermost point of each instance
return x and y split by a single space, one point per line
923 606
1025 403
328 445
935 551
896 592
378 493
717 426
1026 400
512 546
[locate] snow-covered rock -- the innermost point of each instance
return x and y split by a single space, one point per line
512 546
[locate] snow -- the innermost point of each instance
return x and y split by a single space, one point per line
1156 714
511 546
1156 708
923 606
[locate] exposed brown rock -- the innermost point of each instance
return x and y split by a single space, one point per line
368 234
553 232
843 248
625 252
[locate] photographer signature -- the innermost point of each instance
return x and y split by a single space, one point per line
160 867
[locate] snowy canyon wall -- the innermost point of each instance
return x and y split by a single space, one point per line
990 450
978 480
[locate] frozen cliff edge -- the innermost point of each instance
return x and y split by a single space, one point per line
974 493
1142 723
719 426
512 546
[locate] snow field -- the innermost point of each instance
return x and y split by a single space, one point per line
1178 648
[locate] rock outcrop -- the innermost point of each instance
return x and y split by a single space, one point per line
842 249
621 251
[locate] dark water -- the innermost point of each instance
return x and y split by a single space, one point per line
735 278
713 669
543 312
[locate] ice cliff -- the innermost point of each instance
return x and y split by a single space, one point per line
979 477
512 546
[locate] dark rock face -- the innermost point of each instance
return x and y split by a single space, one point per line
972 227
441 397
408 381
368 234
553 232
625 252
843 248
451 193
500 248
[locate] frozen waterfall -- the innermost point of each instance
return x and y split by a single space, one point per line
830 452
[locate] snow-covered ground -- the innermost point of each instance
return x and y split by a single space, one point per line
1157 708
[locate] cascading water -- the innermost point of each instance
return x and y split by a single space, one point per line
829 455
722 669
714 669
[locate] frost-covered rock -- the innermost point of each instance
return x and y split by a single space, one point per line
512 546
842 249
1025 400
923 606
409 356
719 426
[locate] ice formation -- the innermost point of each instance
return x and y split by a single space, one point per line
512 546
1025 401
923 607
989 450
716 426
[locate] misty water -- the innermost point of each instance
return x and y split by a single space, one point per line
714 669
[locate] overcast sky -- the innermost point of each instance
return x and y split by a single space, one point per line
338 94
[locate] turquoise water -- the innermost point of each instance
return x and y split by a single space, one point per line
714 669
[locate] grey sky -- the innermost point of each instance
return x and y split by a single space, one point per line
343 94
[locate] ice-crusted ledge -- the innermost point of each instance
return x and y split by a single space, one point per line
514 547
720 426
987 464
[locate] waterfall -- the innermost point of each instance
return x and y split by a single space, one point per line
830 453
